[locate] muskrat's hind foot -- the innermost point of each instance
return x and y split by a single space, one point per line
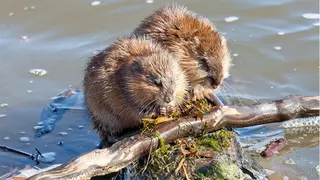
107 141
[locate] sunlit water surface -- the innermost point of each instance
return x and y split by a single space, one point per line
274 45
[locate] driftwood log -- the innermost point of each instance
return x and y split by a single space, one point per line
124 152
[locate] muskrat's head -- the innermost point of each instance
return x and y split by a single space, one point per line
202 51
210 51
154 80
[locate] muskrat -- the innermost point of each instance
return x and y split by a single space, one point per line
202 52
129 80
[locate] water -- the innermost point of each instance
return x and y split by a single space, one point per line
274 45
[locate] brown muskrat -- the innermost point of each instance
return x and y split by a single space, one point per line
130 80
202 52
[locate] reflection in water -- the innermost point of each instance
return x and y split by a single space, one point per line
274 45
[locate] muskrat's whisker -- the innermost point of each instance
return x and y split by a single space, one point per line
228 93
144 106
153 108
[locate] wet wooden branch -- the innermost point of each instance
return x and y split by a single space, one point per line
122 153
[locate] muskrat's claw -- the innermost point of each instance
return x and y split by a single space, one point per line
198 93
171 109
163 111
162 117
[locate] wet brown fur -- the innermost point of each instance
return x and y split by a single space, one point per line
201 50
119 84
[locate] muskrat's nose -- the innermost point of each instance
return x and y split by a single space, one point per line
168 99
213 82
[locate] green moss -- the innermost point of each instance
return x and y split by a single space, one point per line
198 109
224 137
210 143
163 147
209 172
224 134
164 161
221 170
157 134
217 140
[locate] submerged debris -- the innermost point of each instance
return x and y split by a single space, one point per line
56 109
273 147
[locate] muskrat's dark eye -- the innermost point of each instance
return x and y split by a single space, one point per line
156 81
213 81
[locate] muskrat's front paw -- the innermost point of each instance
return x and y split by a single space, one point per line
162 111
198 93
171 109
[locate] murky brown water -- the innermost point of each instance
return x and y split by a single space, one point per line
275 52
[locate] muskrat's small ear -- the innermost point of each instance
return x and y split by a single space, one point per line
173 32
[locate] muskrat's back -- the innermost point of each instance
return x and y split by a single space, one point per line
129 80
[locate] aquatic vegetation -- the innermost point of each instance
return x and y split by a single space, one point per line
178 159
217 141
194 109
221 169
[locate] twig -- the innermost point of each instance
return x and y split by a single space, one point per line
179 165
16 151
147 163
185 172
33 156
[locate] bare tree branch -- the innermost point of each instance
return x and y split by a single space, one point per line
124 152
